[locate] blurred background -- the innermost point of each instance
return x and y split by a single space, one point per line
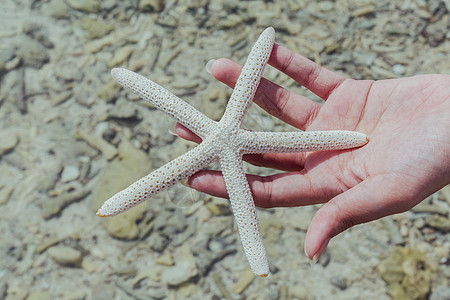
70 138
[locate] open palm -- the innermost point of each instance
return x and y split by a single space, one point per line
408 156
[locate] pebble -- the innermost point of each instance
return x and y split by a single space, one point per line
121 55
165 259
152 5
5 193
300 292
40 295
218 207
95 28
440 293
54 205
339 281
70 173
32 53
89 6
108 150
245 280
438 222
8 141
398 69
184 269
131 165
57 9
65 255
124 110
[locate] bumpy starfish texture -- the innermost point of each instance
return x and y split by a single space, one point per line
227 142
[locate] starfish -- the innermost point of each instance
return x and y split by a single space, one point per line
226 141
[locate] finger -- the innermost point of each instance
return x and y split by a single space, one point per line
363 203
278 161
291 108
270 191
317 79
186 134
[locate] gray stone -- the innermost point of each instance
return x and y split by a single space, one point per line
131 165
8 140
152 5
184 270
438 222
398 69
95 28
70 173
5 193
339 282
65 255
124 110
57 9
90 6
40 295
440 293
31 52
54 205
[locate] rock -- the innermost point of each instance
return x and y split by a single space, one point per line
440 293
89 6
130 166
40 295
31 52
300 292
152 5
219 207
339 281
211 251
121 55
95 28
8 140
58 9
184 270
170 222
158 242
245 280
124 110
38 33
65 255
407 273
70 173
54 205
5 193
398 69
109 91
165 259
438 222
108 150
7 54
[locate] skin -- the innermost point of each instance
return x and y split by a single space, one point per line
407 159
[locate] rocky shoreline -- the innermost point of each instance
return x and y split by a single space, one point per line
70 138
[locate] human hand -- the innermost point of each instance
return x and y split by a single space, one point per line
407 159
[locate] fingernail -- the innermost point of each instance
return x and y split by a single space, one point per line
209 65
319 253
173 129
185 182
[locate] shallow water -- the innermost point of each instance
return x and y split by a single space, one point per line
70 138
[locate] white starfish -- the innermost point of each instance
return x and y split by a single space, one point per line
226 141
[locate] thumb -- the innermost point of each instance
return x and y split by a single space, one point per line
362 203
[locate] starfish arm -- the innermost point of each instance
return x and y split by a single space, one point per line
164 100
159 180
248 81
244 211
263 142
